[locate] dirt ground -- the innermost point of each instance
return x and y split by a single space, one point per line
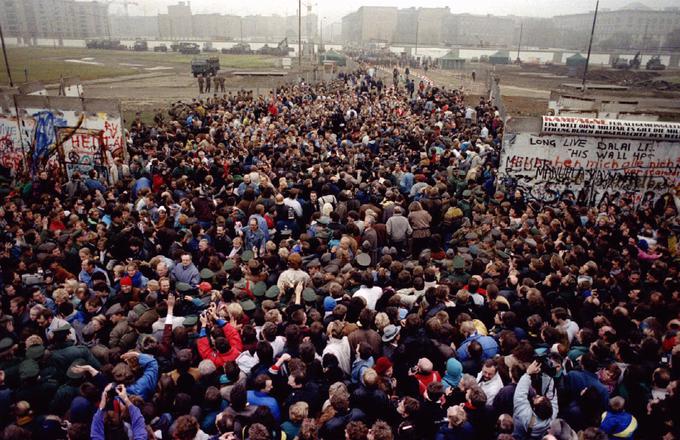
149 92
148 81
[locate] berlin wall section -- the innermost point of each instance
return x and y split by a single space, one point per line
591 159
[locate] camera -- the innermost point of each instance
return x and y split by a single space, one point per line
547 365
112 393
31 279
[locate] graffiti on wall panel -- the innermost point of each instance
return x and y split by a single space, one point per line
82 150
592 168
11 150
13 143
53 139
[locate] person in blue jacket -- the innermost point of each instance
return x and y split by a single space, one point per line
578 380
260 396
458 427
617 422
145 385
100 430
489 344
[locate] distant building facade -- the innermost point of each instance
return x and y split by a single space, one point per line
134 26
634 26
59 19
479 30
425 26
370 24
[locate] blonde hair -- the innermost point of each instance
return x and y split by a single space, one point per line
273 316
60 296
381 321
456 415
71 285
298 412
118 270
370 377
235 310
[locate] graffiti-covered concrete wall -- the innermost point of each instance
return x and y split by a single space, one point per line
593 159
60 134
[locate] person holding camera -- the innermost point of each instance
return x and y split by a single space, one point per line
224 344
533 416
108 422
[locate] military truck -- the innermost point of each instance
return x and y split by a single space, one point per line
208 47
140 46
160 48
105 44
281 49
238 49
621 63
655 64
206 66
189 48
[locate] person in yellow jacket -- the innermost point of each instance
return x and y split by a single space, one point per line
616 422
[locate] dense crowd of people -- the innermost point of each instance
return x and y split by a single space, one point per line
331 261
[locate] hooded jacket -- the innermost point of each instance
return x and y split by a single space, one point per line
219 359
454 372
527 424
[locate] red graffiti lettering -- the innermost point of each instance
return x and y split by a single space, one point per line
112 138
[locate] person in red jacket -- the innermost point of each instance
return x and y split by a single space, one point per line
224 345
425 373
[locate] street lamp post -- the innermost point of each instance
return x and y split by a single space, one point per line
590 46
300 34
417 25
4 54
321 49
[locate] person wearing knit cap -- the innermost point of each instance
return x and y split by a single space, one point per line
383 366
329 304
454 372
126 281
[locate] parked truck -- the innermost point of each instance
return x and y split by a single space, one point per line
206 66
189 48
105 44
655 64
238 49
140 46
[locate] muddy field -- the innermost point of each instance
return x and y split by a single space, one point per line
147 81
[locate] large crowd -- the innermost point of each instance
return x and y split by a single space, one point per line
331 261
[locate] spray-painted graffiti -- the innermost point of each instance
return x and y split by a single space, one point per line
15 142
45 139
591 168
112 138
66 140
83 150
11 151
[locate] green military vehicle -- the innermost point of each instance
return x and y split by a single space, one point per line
189 48
206 66
140 46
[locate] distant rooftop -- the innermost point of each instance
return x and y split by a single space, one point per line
636 6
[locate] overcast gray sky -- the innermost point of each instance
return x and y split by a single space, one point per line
335 9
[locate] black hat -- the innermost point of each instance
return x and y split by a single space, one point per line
76 363
29 369
6 343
